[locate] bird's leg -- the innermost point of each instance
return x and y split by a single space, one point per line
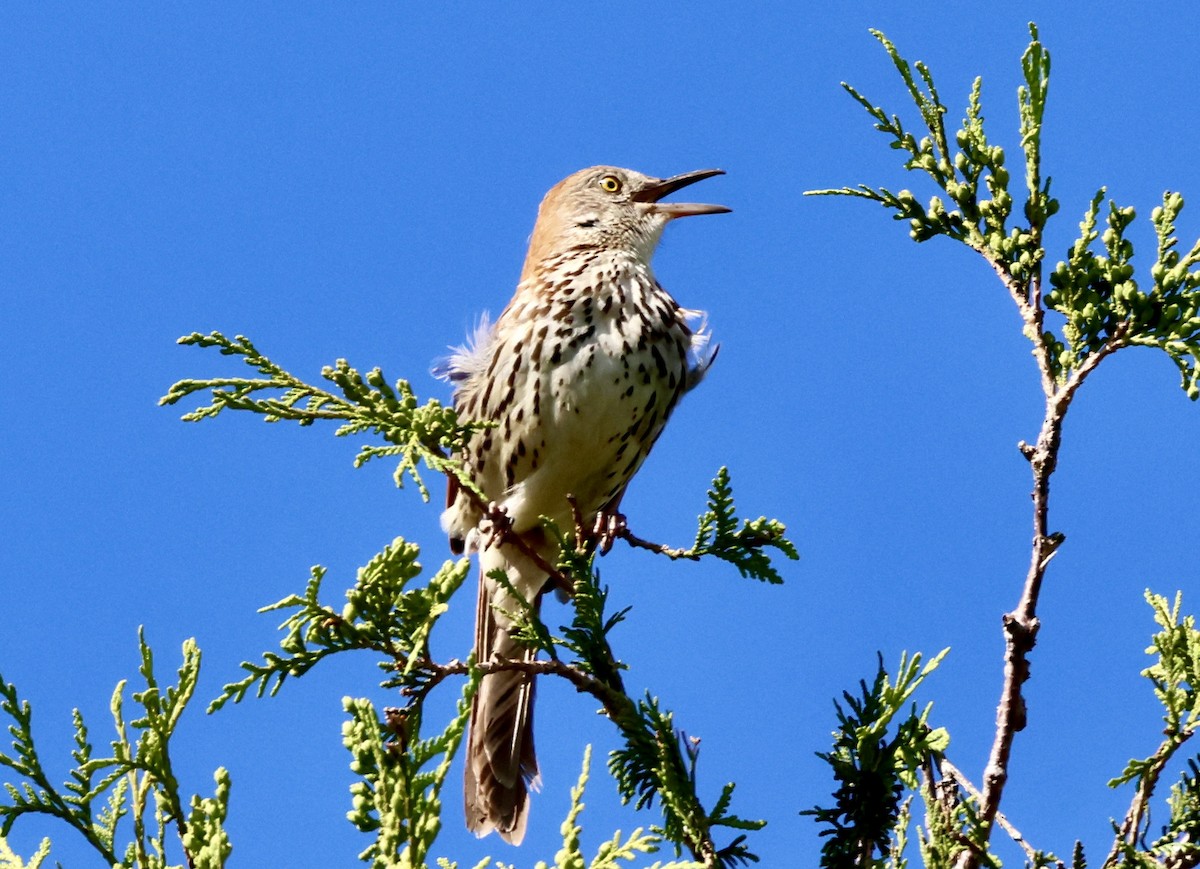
581 533
495 525
609 525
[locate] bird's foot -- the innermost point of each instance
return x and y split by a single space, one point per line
495 525
607 528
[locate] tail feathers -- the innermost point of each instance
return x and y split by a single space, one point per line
501 765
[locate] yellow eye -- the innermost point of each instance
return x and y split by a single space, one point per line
610 184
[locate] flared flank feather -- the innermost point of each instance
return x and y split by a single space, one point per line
703 352
469 359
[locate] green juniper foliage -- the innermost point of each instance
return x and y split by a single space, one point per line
1180 836
382 614
1175 675
718 534
415 433
397 799
721 534
1103 309
873 767
9 859
136 782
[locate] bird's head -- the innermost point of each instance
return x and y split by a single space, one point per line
608 207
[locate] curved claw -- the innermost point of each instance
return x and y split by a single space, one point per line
495 525
607 528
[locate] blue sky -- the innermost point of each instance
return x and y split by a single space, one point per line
359 181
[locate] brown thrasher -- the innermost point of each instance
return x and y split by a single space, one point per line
579 374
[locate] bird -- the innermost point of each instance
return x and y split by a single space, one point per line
577 377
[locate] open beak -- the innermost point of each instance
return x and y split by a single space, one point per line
655 191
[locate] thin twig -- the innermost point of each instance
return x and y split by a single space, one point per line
941 795
1128 832
1021 624
953 773
674 553
614 702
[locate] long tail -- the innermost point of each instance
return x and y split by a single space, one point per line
501 764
